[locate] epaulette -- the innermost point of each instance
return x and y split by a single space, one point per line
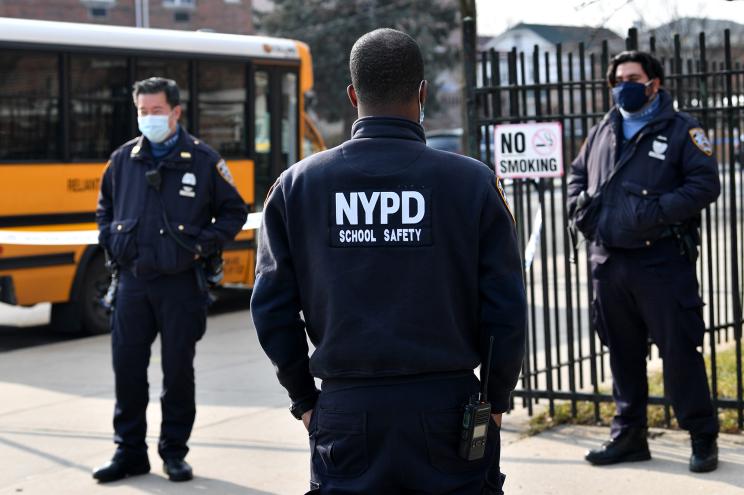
200 146
126 147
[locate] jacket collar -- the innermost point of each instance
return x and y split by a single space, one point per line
387 127
180 157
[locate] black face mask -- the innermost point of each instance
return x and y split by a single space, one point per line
631 96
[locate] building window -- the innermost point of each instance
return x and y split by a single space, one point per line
98 9
180 4
98 12
232 1
181 17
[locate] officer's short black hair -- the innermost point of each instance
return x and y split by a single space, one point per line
651 66
155 85
386 67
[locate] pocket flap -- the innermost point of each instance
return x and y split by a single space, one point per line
185 228
123 226
342 422
639 190
690 300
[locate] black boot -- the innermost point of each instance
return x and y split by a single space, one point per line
177 470
704 456
629 446
120 467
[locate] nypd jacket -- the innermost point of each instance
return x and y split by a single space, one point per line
665 175
402 259
195 187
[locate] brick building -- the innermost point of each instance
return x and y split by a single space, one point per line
225 16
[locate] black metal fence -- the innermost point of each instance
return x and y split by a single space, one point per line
565 360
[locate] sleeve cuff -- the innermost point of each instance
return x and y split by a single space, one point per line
206 243
499 401
103 238
305 404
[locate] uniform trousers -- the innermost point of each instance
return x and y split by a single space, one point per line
174 307
653 292
398 436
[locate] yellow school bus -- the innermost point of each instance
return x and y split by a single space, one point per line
65 105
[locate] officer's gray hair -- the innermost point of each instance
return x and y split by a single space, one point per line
155 85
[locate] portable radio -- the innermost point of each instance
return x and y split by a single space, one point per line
475 419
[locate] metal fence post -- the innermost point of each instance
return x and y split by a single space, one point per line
469 57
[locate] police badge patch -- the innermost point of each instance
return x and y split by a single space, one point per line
503 198
225 172
701 140
189 179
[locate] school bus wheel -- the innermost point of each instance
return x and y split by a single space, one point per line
84 313
95 284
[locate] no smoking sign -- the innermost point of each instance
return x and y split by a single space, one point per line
528 151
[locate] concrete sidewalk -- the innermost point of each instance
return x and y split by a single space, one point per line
553 463
55 426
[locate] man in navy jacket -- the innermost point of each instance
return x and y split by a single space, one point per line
636 191
399 262
167 201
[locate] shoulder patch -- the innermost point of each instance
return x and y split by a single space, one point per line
271 190
225 172
503 198
700 139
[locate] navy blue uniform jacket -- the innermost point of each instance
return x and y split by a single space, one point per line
664 175
402 259
196 187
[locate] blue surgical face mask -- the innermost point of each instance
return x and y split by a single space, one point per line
631 96
154 127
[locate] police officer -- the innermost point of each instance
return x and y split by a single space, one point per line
403 262
636 191
167 203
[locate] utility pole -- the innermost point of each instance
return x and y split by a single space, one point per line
145 13
137 13
469 46
142 13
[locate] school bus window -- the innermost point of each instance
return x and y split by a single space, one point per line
262 132
289 119
263 117
222 99
178 70
29 105
100 106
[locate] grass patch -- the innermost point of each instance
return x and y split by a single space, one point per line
726 369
